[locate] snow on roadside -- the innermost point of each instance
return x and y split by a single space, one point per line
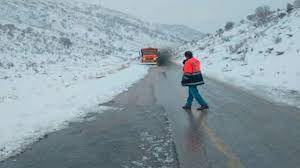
37 105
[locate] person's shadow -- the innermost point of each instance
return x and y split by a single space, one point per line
194 139
194 132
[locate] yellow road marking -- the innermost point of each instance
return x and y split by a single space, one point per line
233 161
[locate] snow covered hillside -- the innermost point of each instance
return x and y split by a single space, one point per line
58 28
263 58
58 60
180 31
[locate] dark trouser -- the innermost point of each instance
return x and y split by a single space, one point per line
194 94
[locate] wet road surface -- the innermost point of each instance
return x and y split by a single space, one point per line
147 128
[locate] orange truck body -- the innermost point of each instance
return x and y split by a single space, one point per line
149 55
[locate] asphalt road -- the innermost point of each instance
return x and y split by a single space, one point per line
147 128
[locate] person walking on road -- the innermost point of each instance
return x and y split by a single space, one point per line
192 78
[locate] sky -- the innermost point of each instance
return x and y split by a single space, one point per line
204 15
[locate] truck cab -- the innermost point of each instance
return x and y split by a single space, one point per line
149 55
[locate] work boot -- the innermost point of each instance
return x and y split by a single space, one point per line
203 108
187 107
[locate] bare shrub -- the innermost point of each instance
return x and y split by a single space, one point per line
270 50
10 65
277 40
229 26
28 30
282 15
9 28
242 31
280 53
262 14
289 8
251 17
219 32
66 42
30 64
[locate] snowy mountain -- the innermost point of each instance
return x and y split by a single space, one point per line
54 31
180 31
261 54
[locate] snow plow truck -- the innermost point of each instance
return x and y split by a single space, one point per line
149 56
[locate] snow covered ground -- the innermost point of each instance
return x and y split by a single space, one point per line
59 60
36 105
264 59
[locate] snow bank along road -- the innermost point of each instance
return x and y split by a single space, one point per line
36 105
146 127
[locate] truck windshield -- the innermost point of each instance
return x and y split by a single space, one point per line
149 52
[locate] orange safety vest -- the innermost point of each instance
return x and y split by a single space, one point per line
192 66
